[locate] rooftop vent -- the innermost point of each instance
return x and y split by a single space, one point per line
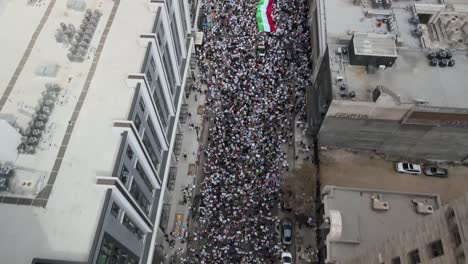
422 208
373 49
376 3
378 205
387 4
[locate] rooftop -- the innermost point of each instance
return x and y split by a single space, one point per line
360 221
78 141
417 28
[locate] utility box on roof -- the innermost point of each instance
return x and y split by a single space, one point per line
373 49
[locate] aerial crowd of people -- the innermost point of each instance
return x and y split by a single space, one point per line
256 83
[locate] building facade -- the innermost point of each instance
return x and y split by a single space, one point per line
357 219
92 188
438 238
388 77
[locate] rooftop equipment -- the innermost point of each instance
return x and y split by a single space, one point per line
373 49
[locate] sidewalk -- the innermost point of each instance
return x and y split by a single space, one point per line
182 195
305 236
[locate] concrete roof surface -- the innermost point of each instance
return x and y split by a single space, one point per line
411 79
361 225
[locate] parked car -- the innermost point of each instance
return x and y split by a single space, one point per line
286 258
286 231
410 168
435 171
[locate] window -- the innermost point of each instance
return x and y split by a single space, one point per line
450 213
161 104
115 210
413 257
113 252
160 35
153 65
151 151
128 223
153 132
139 197
436 249
456 236
182 14
144 177
105 253
396 260
124 173
148 76
175 37
137 122
142 105
169 69
130 153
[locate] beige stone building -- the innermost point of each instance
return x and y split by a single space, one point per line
438 238
380 81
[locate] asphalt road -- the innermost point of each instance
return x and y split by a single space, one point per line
364 170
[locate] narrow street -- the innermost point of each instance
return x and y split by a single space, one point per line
252 144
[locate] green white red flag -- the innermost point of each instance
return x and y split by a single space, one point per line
263 15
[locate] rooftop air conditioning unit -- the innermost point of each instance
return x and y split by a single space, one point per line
379 205
422 208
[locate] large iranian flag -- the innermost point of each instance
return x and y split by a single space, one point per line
264 20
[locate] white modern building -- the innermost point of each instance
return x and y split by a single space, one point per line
91 94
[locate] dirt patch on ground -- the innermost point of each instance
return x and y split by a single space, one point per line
298 189
200 110
370 171
191 169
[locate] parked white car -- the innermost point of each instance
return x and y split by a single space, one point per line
286 258
410 168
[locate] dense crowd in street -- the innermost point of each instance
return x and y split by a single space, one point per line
252 101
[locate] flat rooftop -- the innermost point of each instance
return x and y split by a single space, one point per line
419 27
362 225
79 141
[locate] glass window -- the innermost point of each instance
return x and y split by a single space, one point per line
137 122
142 105
130 153
160 101
153 133
436 249
153 65
184 20
169 69
151 151
115 210
148 76
139 197
160 36
124 173
102 259
413 257
143 175
175 37
132 227
113 252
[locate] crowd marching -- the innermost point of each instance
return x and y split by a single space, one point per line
252 99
